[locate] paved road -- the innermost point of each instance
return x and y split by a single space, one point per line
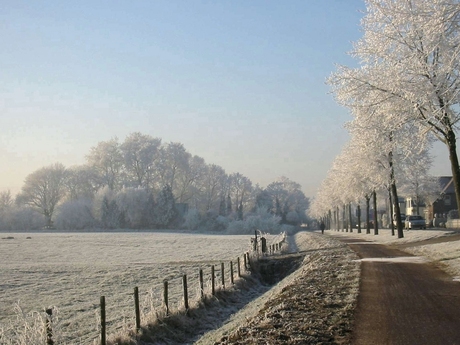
403 302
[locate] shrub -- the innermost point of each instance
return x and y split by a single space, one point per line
134 204
237 227
192 219
259 220
22 218
293 218
213 221
288 229
75 215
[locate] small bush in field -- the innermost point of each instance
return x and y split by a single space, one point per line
192 219
75 214
21 218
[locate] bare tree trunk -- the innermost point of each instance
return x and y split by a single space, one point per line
368 207
334 220
359 218
391 212
48 216
338 219
376 226
452 145
399 224
417 200
394 192
349 217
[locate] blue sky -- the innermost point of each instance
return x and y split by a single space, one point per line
239 83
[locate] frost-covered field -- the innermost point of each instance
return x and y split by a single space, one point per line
72 270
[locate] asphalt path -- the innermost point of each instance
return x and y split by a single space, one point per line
403 300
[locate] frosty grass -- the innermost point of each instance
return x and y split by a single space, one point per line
72 270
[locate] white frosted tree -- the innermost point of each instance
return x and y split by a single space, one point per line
6 204
262 199
240 190
189 180
173 162
211 186
381 143
340 188
192 219
165 211
81 182
107 160
75 214
6 200
134 204
140 155
355 174
409 58
43 189
24 217
105 209
418 183
287 196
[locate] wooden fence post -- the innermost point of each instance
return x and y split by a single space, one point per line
137 309
201 284
48 327
213 283
165 296
103 332
239 269
231 272
245 262
184 281
223 275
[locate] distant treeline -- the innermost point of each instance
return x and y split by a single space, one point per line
142 183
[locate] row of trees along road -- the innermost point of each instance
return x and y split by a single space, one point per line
138 182
403 94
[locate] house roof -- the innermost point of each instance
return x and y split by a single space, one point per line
447 185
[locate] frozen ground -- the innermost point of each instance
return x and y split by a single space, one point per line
315 304
72 270
446 254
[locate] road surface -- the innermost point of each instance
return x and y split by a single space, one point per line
403 300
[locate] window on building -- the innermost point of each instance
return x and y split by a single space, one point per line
447 200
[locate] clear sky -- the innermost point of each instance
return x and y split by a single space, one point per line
239 83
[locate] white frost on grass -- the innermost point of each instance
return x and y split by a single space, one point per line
322 254
399 259
385 237
72 270
446 253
